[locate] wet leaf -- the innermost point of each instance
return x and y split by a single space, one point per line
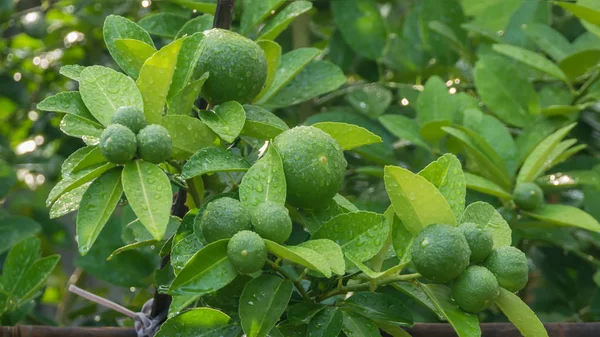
565 215
73 181
485 215
196 25
183 102
19 259
118 27
133 246
282 20
163 24
183 251
187 59
74 126
188 135
520 314
256 12
435 103
402 238
227 120
349 136
379 307
35 278
68 102
14 228
371 100
532 59
301 255
133 54
273 54
264 181
213 159
579 63
198 322
549 40
355 325
68 202
326 323
483 185
447 176
72 71
73 160
331 251
94 157
261 123
404 128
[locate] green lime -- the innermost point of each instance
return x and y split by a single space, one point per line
440 253
475 289
223 218
528 196
154 144
314 166
272 221
131 117
237 67
479 239
117 144
247 252
510 267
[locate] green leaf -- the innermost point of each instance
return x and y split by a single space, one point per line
155 80
520 315
261 123
356 325
415 291
362 26
205 6
256 12
549 40
73 181
331 251
282 20
264 181
505 90
319 77
433 131
196 25
148 191
183 102
134 53
263 301
73 160
188 135
104 90
35 278
583 12
92 158
183 251
485 215
18 260
68 102
464 324
213 159
532 59
532 135
14 228
559 110
452 16
198 322
360 234
72 71
483 185
538 159
378 274
303 312
133 246
301 255
591 11
402 238
349 136
273 54
96 206
565 215
290 65
404 128
569 179
88 131
207 271
163 24
379 307
580 63
371 100
435 103
118 27
417 202
227 120
326 323
447 176
140 233
68 202
187 59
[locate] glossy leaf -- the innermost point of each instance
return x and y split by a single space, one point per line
549 40
73 160
162 24
404 128
141 233
273 54
565 215
326 323
68 102
88 131
199 322
417 202
35 278
331 251
155 80
532 59
148 191
355 325
213 159
183 73
447 176
196 25
402 238
485 215
207 271
263 301
92 158
227 120
133 54
464 324
118 27
520 315
379 307
68 202
265 180
183 251
435 102
349 136
371 100
256 12
302 313
133 246
72 71
362 26
188 135
415 291
183 102
96 206
104 90
261 123
73 181
360 234
303 256
580 63
282 20
483 185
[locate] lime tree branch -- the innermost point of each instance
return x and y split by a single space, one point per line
296 282
367 285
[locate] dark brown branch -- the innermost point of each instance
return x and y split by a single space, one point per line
224 14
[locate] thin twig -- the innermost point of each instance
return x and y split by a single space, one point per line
295 281
367 285
102 301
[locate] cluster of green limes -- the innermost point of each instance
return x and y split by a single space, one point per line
129 135
528 196
465 256
227 218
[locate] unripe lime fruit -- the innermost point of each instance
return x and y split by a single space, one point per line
247 252
117 144
131 117
510 267
440 253
479 239
222 218
236 64
154 144
528 196
314 166
475 289
272 221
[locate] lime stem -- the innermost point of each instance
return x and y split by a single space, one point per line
370 285
296 282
